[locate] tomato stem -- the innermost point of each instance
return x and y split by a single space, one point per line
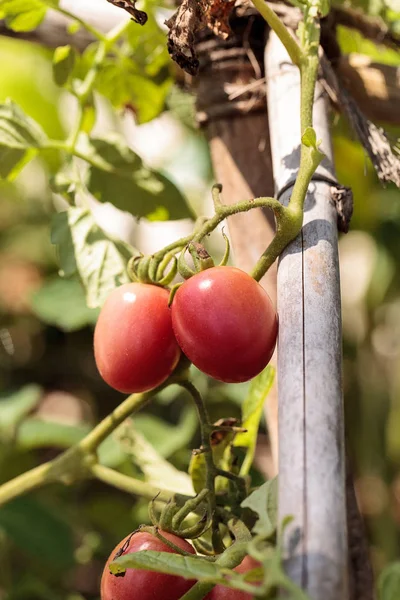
211 471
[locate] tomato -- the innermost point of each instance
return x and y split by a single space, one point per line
134 345
225 323
220 592
136 584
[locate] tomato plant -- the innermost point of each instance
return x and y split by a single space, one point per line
225 323
221 592
137 583
135 348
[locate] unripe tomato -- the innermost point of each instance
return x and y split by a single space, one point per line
225 323
134 344
137 584
220 592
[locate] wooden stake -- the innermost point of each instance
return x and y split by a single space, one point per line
311 441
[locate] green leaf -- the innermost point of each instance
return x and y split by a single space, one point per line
389 582
38 532
222 455
189 567
117 175
61 302
36 433
126 88
309 138
14 407
264 502
155 468
24 15
164 437
86 249
183 105
63 64
252 411
19 135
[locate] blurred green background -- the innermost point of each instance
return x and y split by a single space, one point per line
53 543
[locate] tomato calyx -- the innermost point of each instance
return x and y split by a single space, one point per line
152 269
175 514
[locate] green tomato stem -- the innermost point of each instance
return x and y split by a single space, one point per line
26 482
79 461
130 484
95 32
205 432
281 31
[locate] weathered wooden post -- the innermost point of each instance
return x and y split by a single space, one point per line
311 442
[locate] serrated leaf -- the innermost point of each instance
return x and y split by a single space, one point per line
19 136
37 433
38 532
61 303
86 249
264 502
14 407
389 582
118 175
251 415
63 64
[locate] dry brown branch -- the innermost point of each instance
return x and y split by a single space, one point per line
373 138
139 16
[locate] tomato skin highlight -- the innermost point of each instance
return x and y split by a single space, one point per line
138 584
134 345
225 323
221 592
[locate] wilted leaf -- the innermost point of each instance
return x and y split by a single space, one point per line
86 249
117 175
61 302
252 411
264 502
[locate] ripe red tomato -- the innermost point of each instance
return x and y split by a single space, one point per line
225 323
220 592
136 584
134 344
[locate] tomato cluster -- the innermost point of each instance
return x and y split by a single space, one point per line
137 584
221 319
